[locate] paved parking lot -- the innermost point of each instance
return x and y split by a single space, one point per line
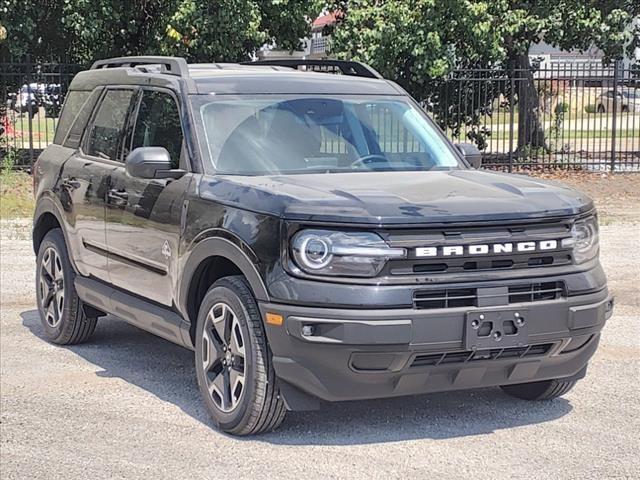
127 405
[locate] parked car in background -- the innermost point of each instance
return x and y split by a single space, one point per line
27 99
627 100
52 100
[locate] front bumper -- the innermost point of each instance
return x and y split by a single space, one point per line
360 354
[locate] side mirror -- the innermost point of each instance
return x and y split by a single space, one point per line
151 162
471 154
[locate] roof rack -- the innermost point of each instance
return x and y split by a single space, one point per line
346 67
169 65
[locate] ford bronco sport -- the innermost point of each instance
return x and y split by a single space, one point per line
311 236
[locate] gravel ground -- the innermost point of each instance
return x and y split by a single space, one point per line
127 405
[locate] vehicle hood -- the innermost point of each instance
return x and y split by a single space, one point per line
383 198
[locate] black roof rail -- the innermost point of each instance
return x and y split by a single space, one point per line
169 65
346 67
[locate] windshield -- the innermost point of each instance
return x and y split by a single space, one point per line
268 135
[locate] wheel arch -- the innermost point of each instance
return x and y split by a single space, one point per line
211 259
46 218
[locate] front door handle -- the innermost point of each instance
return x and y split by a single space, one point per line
117 197
70 184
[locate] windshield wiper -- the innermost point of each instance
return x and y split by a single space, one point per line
318 169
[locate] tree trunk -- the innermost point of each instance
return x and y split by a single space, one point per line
530 130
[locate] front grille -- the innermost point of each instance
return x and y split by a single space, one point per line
447 358
474 297
536 292
447 298
411 239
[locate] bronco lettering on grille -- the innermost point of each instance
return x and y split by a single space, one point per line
487 249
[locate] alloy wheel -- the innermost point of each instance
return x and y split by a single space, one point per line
51 284
223 357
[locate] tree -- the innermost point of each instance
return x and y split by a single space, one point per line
108 28
85 30
233 30
417 41
32 27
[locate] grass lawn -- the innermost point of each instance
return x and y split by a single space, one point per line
16 195
43 130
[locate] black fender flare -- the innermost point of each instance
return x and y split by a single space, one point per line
47 204
233 250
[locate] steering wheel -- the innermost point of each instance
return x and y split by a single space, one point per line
368 159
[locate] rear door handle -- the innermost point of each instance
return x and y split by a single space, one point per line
70 184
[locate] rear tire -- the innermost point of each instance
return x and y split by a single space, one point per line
61 311
545 390
233 361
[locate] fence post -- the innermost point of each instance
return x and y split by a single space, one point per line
30 109
616 67
511 117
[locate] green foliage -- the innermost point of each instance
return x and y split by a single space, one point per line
556 130
9 159
419 43
288 21
590 109
32 26
212 32
415 41
106 28
232 30
561 108
85 30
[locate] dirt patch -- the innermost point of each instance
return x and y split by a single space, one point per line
617 197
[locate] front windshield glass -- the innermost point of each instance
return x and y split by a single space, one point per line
269 135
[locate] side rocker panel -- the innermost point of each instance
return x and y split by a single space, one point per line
134 310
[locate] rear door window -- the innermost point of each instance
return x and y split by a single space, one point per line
106 133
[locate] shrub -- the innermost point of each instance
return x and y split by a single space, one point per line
561 108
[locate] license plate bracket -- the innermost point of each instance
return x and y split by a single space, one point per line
496 329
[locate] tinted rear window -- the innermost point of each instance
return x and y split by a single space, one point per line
72 105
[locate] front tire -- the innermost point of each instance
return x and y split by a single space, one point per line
545 390
233 361
61 312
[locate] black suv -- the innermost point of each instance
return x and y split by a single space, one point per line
311 236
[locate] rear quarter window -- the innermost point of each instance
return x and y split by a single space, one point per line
72 105
82 118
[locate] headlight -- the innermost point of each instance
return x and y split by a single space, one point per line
584 239
351 254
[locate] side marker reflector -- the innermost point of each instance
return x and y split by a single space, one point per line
274 319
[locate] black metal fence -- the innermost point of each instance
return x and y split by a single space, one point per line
566 115
31 96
